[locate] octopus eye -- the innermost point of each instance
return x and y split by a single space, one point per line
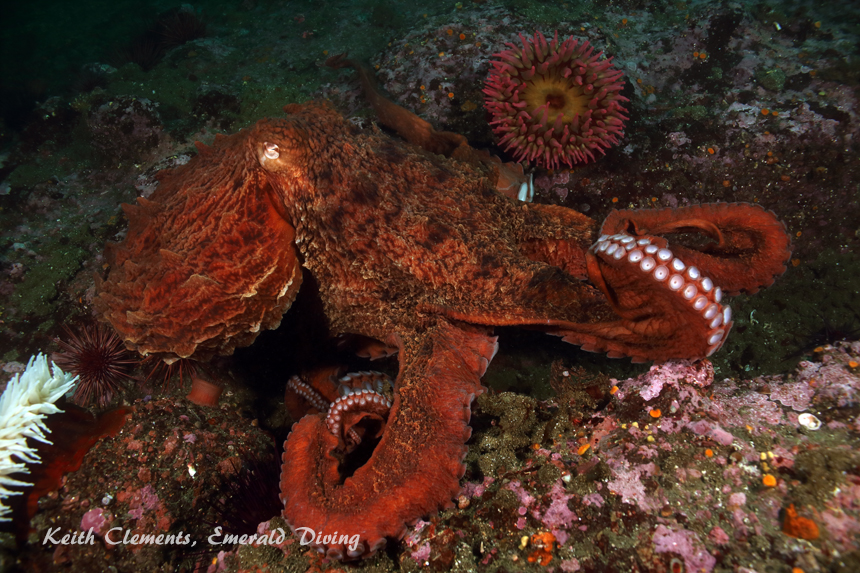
271 151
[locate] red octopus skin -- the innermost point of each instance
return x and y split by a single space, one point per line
420 253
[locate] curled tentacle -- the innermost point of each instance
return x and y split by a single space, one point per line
669 296
749 246
416 466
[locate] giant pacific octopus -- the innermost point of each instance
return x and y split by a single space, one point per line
414 252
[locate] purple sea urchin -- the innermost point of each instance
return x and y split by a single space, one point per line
97 355
180 26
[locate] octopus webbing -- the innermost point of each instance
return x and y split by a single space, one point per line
417 253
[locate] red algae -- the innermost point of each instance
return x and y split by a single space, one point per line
146 489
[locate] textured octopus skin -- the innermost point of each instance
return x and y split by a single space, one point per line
420 253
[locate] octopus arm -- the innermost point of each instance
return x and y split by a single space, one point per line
649 299
669 297
508 178
416 467
408 125
557 236
749 246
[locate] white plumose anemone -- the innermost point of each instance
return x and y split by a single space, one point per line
27 401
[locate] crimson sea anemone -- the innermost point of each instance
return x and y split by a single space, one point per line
203 392
100 360
555 104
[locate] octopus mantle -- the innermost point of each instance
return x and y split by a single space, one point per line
420 255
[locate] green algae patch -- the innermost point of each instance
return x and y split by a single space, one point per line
551 13
170 87
774 329
39 292
821 471
43 169
259 101
773 80
692 112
